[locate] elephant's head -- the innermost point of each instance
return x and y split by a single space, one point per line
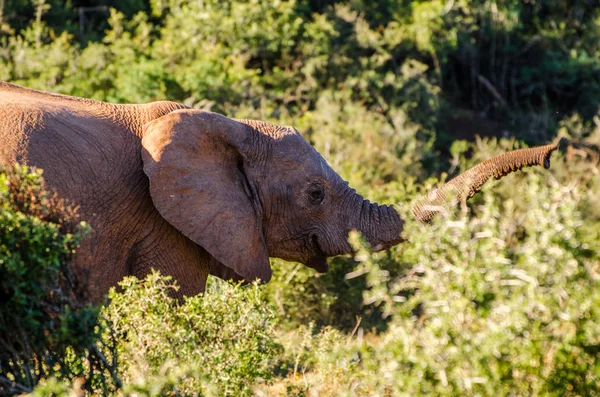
248 190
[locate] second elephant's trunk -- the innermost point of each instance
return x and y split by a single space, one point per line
465 185
382 226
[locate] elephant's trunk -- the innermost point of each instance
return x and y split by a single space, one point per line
380 225
465 185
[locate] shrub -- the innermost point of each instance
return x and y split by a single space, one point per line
45 328
500 301
374 86
219 343
505 302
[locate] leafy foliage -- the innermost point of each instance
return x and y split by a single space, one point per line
219 344
45 328
504 302
500 298
216 344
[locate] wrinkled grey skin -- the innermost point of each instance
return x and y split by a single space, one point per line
186 192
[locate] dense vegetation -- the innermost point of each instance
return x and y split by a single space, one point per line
45 328
499 298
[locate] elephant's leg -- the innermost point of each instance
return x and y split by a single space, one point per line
171 253
94 280
145 242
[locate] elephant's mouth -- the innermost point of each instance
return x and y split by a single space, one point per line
319 260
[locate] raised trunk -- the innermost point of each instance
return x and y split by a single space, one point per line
381 225
465 185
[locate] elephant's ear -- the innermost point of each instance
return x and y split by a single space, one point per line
196 162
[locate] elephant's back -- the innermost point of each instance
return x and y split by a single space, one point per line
18 121
90 152
38 128
14 94
25 109
87 149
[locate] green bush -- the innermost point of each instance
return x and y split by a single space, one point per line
523 66
45 328
503 303
219 343
500 301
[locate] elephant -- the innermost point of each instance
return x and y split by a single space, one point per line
192 193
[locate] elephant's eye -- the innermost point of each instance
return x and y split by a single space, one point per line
316 195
